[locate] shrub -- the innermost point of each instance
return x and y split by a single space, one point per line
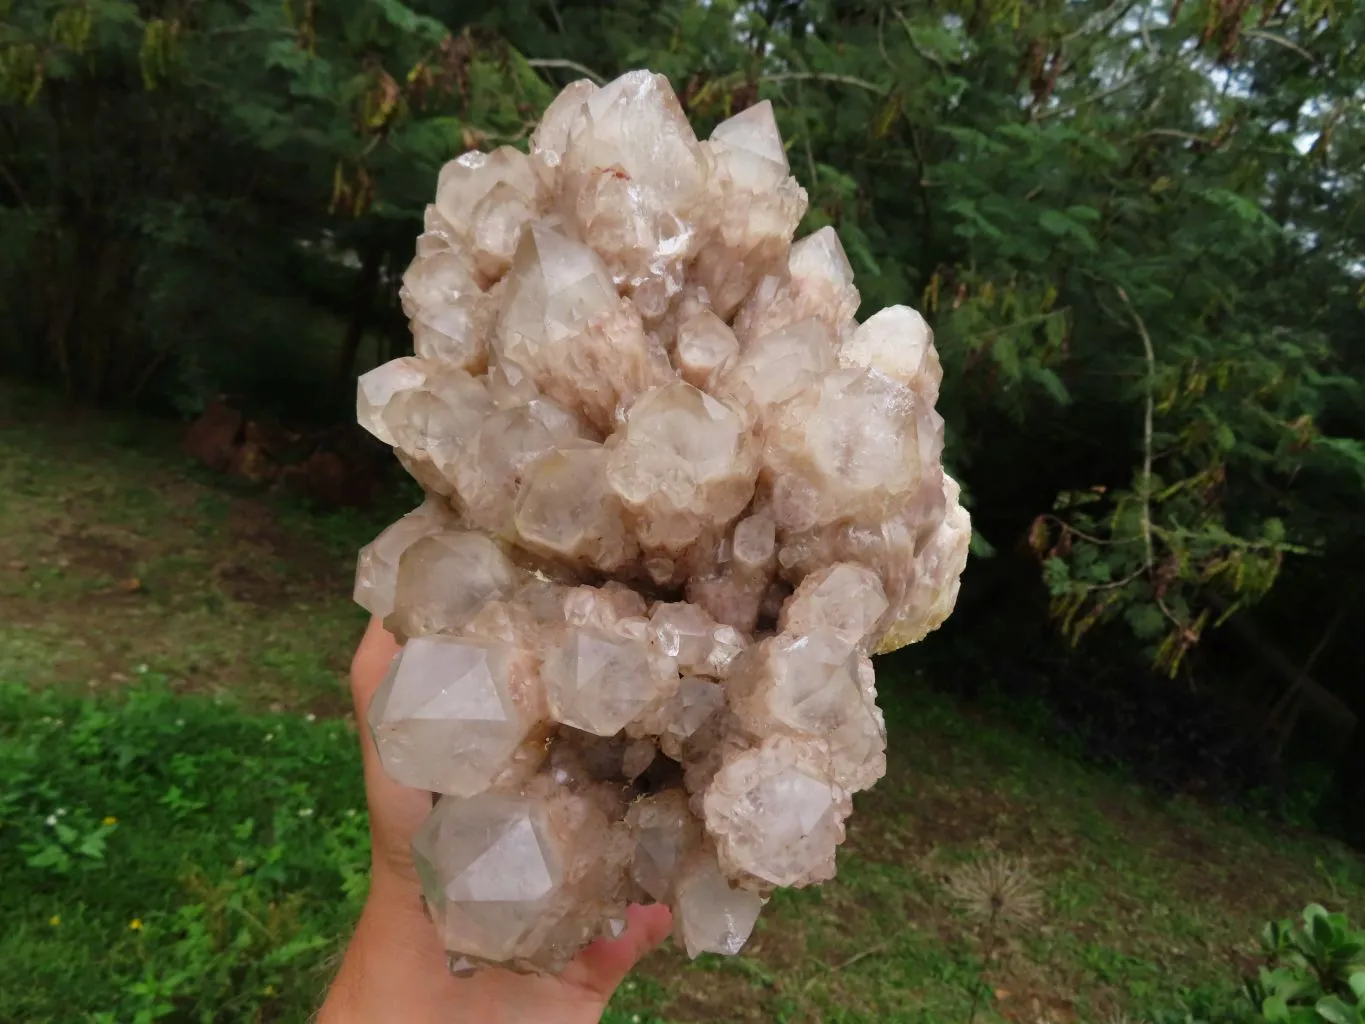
1312 974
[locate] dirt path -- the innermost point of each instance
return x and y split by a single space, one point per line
117 558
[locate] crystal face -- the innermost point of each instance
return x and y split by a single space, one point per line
446 718
598 682
677 496
490 867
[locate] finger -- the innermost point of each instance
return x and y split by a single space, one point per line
371 661
605 963
395 810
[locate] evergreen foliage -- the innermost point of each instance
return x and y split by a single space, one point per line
1135 225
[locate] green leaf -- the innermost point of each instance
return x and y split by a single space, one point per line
980 547
1334 1011
1275 1010
1145 620
1357 985
1054 222
1005 352
1056 575
1053 385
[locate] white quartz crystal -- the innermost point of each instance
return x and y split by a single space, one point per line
677 496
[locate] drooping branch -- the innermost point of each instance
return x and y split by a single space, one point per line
1146 429
567 65
824 76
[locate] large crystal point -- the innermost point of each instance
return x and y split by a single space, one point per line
446 718
380 386
775 816
490 866
565 328
507 445
781 365
433 424
897 342
478 185
705 347
810 687
818 282
599 681
686 464
635 175
846 446
677 496
565 113
376 573
566 511
750 148
931 595
444 579
711 914
665 834
847 599
755 208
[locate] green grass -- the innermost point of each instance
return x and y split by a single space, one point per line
172 857
178 711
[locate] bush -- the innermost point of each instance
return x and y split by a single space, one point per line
1312 974
1315 974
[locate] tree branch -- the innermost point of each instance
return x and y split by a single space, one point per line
568 65
822 76
1147 417
1288 44
1146 429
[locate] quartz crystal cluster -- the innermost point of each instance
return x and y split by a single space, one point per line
676 497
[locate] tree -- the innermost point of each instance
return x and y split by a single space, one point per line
180 175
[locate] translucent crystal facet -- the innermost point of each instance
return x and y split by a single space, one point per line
686 464
705 347
711 914
676 497
845 598
466 183
445 718
846 446
897 342
565 509
780 365
444 579
598 682
776 818
564 327
379 387
809 686
376 574
750 147
490 866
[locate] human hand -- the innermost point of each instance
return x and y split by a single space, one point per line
395 968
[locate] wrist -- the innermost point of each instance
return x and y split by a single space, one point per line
394 968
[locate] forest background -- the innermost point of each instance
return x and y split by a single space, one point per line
1137 228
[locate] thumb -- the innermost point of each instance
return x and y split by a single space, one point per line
603 965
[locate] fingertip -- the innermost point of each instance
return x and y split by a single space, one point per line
604 964
654 921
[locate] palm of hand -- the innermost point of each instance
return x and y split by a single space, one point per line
395 967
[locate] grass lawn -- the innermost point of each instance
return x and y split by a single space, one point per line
182 831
